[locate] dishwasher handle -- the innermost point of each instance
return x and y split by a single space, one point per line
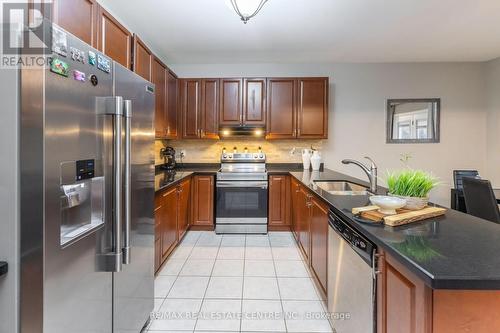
359 243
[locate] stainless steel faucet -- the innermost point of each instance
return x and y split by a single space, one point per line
371 171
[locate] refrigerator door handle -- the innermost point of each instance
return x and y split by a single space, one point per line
117 182
110 259
127 114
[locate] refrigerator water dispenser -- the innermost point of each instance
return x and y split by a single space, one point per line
82 200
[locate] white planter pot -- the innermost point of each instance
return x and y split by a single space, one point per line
306 158
414 203
316 160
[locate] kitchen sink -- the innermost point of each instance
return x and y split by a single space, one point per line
342 187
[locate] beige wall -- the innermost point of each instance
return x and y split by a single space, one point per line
208 151
492 73
357 112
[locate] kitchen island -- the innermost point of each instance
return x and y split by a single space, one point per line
439 275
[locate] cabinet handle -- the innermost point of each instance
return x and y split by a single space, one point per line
157 208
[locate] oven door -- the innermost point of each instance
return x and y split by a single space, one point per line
241 203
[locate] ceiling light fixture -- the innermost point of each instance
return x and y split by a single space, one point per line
247 9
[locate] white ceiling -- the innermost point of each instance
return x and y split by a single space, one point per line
310 31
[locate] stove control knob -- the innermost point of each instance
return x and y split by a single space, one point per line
224 156
261 156
230 156
255 156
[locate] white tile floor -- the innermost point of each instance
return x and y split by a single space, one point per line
230 283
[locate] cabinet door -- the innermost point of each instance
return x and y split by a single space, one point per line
190 108
210 108
313 108
404 301
203 200
78 17
158 230
172 118
113 39
279 201
294 193
142 59
159 79
319 240
303 221
281 108
230 102
254 106
184 196
169 221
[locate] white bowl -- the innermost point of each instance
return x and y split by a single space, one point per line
387 205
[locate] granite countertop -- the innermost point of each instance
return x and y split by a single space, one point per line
455 251
184 170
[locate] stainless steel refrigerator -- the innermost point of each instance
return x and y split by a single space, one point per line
86 193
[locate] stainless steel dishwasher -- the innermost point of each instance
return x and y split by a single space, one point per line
352 279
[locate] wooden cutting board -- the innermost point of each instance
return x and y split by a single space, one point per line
402 217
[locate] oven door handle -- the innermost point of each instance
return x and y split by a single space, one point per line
242 184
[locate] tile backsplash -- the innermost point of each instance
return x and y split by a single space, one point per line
207 151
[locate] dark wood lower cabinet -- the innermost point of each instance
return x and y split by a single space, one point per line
303 221
183 211
279 203
294 193
203 201
171 219
168 214
310 228
404 301
319 240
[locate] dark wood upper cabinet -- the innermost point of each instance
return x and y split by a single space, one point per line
209 109
203 201
319 240
172 118
279 201
312 113
113 39
191 107
142 59
231 102
184 191
78 17
281 108
158 77
254 106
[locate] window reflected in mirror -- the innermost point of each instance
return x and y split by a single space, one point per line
413 120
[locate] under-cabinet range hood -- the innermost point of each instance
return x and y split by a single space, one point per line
242 131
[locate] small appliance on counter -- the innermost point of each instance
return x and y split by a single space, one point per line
242 192
168 154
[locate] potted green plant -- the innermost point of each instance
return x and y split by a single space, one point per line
412 185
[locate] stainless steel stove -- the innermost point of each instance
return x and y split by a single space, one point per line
242 192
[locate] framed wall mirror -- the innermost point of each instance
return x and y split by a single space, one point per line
413 120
